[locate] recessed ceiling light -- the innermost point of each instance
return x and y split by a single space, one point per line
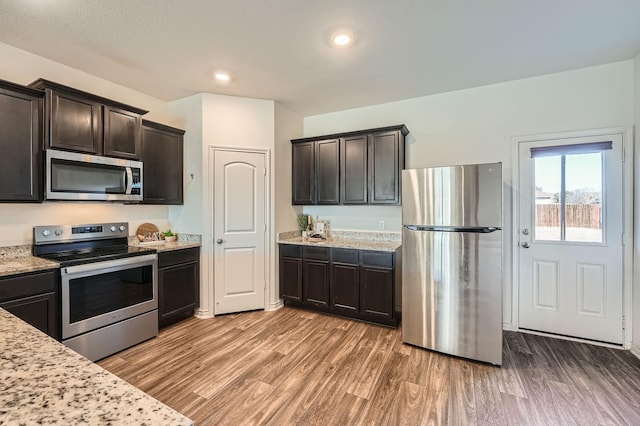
222 76
342 38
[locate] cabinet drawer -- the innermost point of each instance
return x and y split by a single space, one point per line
317 253
377 258
344 256
289 250
175 257
27 285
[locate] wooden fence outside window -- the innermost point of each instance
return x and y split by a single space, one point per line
577 215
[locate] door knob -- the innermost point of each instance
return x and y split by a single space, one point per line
219 241
525 245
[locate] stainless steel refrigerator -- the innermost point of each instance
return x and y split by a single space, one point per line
452 260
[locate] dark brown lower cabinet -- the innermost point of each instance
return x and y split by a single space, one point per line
34 299
178 285
291 279
315 282
345 287
359 284
315 278
291 272
376 292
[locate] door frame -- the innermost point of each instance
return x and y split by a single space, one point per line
210 222
627 225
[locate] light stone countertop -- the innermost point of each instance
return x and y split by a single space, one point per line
43 382
16 260
184 241
350 239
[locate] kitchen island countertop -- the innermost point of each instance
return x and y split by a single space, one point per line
43 381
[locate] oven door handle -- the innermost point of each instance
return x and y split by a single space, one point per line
98 266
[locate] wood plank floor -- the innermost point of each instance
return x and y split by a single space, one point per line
297 367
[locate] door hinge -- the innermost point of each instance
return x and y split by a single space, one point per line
624 322
623 155
265 227
264 169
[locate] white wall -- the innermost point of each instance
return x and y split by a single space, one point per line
288 125
477 126
635 320
220 121
17 220
188 217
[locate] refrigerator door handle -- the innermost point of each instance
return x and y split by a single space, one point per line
474 229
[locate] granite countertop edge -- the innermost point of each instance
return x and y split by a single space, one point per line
162 247
184 241
372 245
24 264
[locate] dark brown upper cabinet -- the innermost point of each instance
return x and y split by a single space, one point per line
327 171
361 167
82 122
162 158
354 170
20 143
122 133
386 160
303 173
316 172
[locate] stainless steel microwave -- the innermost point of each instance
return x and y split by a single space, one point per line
73 176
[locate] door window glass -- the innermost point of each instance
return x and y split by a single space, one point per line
548 181
583 197
569 197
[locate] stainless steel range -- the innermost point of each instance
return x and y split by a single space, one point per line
109 290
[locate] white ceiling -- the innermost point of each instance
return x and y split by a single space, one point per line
278 49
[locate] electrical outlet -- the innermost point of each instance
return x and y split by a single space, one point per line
381 224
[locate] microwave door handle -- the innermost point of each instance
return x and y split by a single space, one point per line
128 181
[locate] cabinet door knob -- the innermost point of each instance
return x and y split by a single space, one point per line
219 241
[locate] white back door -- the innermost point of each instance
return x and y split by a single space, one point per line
570 224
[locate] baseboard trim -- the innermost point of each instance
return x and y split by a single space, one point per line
203 314
507 326
635 349
275 306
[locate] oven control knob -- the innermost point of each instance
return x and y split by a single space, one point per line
122 228
113 229
58 232
46 232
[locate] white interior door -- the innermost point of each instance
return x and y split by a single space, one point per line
239 206
570 225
